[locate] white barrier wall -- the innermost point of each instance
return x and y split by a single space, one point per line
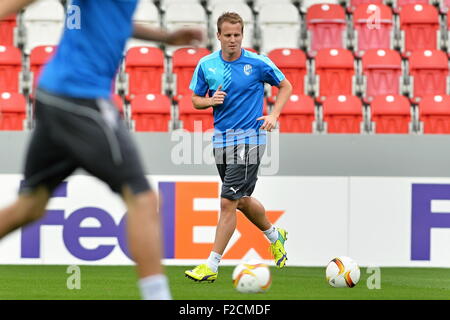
377 221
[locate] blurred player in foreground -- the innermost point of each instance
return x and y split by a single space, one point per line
77 125
231 81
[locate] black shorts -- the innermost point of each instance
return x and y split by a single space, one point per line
238 169
81 133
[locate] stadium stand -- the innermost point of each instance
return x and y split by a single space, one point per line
145 71
278 27
184 61
7 27
151 112
293 63
382 73
327 27
10 69
342 114
193 119
434 114
391 114
298 115
334 72
12 111
373 28
44 22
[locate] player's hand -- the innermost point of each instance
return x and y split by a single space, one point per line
270 122
219 96
186 37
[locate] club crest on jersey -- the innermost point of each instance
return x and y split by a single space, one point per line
248 69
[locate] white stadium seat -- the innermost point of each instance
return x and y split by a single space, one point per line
44 23
147 14
279 26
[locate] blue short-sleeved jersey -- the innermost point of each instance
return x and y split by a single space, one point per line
88 57
243 81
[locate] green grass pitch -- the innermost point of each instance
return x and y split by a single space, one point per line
291 283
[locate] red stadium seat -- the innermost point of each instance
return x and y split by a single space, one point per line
12 111
326 26
151 112
391 114
335 68
192 118
434 114
7 26
374 27
38 59
10 68
292 62
298 115
429 69
382 70
184 61
342 114
145 69
397 4
419 24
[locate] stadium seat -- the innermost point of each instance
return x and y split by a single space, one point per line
298 115
10 69
382 72
306 4
38 59
292 62
163 4
444 6
391 114
334 72
184 15
12 111
193 119
419 25
247 16
258 4
326 26
210 4
44 22
428 70
184 62
151 112
397 4
342 114
146 14
279 27
7 27
434 114
371 33
145 70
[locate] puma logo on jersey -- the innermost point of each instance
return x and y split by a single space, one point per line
213 70
234 190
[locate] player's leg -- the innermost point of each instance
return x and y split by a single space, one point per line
255 212
27 208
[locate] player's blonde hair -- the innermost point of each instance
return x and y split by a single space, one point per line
231 17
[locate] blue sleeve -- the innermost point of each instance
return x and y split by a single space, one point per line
198 82
270 72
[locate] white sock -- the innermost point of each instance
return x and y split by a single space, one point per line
213 261
155 287
271 234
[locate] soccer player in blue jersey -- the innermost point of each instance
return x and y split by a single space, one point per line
231 81
77 125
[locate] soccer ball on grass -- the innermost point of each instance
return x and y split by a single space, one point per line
252 276
342 272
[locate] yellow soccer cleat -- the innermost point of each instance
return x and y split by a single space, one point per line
201 273
277 249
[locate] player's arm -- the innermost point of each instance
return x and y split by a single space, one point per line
9 7
282 97
181 37
206 102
